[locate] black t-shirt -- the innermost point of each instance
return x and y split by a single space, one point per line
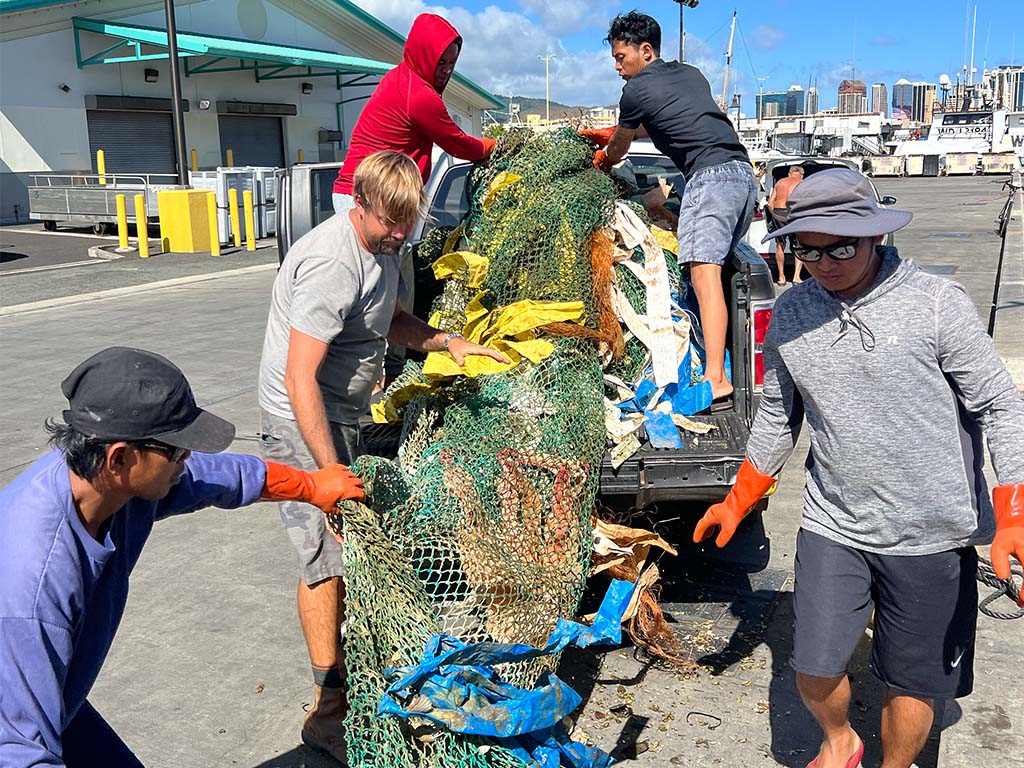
673 102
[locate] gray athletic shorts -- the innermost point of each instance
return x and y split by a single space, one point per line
280 440
715 212
926 613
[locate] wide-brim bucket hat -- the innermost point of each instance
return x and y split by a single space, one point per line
840 202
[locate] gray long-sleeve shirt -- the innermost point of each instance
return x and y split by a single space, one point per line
897 386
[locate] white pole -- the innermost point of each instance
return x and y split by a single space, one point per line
547 88
728 60
974 32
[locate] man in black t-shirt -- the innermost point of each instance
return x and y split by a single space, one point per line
672 102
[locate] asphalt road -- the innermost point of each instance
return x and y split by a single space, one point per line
209 667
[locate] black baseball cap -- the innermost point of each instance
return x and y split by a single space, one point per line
130 394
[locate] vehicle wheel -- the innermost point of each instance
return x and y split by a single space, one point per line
101 228
50 226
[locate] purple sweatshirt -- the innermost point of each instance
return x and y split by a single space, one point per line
62 593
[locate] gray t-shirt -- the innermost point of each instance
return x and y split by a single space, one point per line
331 288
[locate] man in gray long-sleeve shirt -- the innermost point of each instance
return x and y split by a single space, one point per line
897 380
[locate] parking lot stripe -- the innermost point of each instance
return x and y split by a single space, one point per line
60 234
5 272
128 290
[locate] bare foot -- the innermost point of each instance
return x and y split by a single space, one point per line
797 280
720 389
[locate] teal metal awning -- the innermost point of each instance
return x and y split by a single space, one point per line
205 54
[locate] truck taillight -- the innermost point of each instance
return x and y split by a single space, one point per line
761 316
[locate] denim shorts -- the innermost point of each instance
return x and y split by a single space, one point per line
925 607
281 441
715 212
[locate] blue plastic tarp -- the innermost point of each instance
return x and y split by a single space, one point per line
466 694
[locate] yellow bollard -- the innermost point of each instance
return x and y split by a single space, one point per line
195 160
231 158
122 222
142 226
250 221
302 155
101 166
211 215
236 224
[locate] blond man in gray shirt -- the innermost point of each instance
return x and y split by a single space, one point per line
333 308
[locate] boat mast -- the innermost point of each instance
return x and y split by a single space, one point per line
728 60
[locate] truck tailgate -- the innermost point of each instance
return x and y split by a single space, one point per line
703 469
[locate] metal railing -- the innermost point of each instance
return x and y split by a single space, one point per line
93 179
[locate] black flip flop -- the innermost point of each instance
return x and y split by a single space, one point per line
721 404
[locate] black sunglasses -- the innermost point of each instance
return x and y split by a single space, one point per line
172 452
842 251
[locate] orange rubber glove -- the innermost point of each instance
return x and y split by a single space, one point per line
323 488
1008 501
602 161
489 145
600 136
751 485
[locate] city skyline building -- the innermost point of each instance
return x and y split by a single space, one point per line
781 103
923 102
1005 87
880 99
853 97
811 105
902 99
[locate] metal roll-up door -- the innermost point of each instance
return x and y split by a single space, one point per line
132 142
253 139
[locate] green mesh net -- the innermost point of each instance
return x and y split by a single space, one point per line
482 527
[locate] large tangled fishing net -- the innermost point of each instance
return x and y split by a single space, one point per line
481 528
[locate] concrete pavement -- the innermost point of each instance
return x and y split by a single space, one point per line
38 266
209 667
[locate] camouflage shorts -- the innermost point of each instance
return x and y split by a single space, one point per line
318 551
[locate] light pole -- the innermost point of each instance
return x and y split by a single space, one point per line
547 88
682 29
177 115
760 99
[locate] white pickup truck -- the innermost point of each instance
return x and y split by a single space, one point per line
703 470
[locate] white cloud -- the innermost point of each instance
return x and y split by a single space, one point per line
766 37
501 49
571 16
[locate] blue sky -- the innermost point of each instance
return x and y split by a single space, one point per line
785 41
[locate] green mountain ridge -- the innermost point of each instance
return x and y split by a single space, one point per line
532 106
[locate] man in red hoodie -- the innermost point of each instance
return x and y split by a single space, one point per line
407 114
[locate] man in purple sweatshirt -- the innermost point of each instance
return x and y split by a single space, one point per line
133 448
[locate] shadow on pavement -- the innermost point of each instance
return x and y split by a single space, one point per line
6 257
300 757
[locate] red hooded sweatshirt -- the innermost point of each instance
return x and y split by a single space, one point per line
406 113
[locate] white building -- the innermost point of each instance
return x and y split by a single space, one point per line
264 78
811 107
880 99
1005 87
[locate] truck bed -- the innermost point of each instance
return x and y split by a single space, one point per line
703 469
